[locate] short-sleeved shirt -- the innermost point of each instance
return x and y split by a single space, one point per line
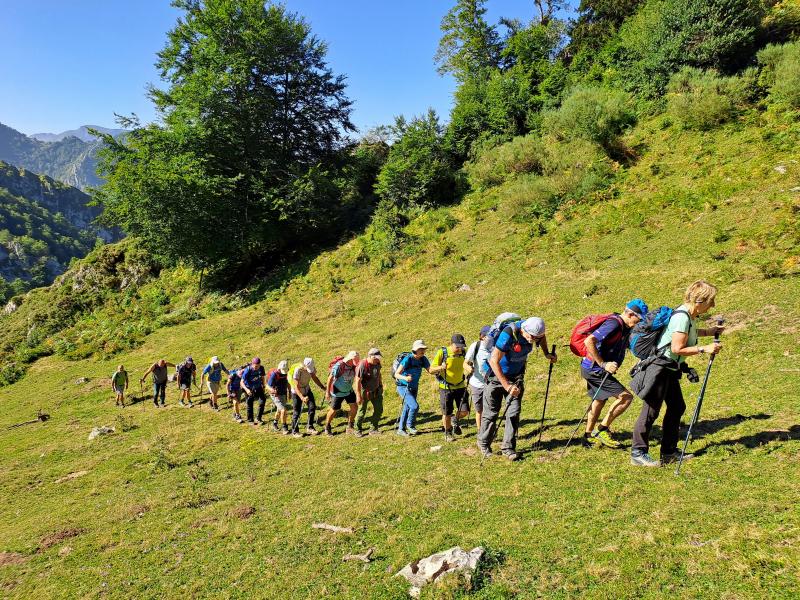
454 371
252 377
279 382
343 376
515 348
234 382
186 371
214 373
413 366
678 323
477 355
611 340
119 378
303 378
159 374
370 375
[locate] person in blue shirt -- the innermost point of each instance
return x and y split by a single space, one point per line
213 372
339 389
278 388
605 351
505 379
408 375
253 385
234 387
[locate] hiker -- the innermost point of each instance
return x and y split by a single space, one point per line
300 377
368 386
477 354
119 383
407 375
187 375
657 379
505 379
448 366
605 351
160 378
340 388
213 371
253 385
234 388
278 390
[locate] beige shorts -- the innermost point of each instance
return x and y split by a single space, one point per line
213 386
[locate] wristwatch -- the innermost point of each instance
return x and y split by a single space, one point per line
701 350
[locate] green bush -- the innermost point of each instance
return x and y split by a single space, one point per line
591 113
384 240
780 72
496 165
702 100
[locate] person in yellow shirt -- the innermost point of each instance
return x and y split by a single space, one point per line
448 366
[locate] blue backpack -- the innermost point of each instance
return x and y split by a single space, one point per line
644 336
396 362
501 323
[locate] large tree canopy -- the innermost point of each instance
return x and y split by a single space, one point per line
251 121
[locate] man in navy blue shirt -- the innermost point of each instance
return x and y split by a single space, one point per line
505 379
253 385
605 351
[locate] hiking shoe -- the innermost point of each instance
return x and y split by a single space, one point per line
297 434
258 422
448 437
667 459
358 433
485 452
412 431
163 405
191 404
275 427
643 459
375 431
311 431
182 403
285 430
590 440
328 430
457 429
402 432
350 430
512 456
605 438
237 418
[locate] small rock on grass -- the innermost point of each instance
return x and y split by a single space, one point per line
430 569
435 448
98 431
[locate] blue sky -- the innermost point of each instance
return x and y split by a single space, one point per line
66 64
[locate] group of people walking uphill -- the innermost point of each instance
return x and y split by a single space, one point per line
488 376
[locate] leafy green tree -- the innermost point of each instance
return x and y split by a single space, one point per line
469 47
241 165
418 171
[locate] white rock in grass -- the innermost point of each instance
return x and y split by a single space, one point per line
464 288
781 169
98 431
428 570
435 448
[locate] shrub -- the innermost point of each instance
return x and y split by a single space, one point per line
496 165
591 113
780 72
702 100
384 240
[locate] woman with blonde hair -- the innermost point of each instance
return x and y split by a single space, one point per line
659 381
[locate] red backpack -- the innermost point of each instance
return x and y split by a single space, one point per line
584 328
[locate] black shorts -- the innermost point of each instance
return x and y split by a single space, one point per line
336 401
611 388
450 398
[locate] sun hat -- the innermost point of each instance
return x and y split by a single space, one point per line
308 363
533 326
283 367
418 345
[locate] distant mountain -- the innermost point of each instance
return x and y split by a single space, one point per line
82 133
43 225
69 160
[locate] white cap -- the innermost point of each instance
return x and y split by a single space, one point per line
350 356
214 360
308 363
283 367
533 326
417 345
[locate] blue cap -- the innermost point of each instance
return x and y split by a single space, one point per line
638 306
485 330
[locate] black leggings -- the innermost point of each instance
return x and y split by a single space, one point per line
297 408
667 391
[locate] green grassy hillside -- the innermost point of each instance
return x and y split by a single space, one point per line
161 507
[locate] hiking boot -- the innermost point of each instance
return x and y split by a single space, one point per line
328 430
297 434
375 431
402 432
182 403
311 431
359 434
667 459
512 456
643 459
412 431
191 404
285 430
237 418
163 405
457 429
448 437
485 452
258 422
605 438
275 427
590 440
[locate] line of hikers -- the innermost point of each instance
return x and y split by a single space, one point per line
487 375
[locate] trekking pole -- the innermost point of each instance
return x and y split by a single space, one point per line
141 393
544 408
588 408
699 403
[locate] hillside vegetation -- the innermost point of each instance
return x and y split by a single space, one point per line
163 505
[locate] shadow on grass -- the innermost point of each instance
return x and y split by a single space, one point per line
715 425
758 439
